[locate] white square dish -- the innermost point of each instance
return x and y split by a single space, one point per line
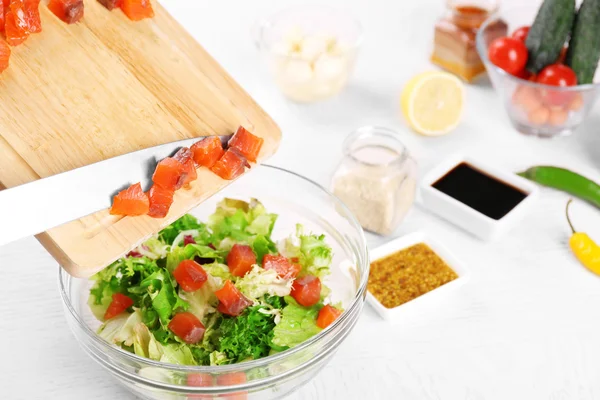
468 218
401 243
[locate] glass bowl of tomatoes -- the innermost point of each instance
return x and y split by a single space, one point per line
296 200
541 94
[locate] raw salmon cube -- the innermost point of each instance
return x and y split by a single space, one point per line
31 14
137 9
2 16
4 55
160 201
169 174
230 166
131 201
111 4
70 11
207 151
15 33
246 143
185 157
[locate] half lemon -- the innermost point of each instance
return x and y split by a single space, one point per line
432 102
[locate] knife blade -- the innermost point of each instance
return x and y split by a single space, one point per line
40 205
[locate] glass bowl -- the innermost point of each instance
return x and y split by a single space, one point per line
296 200
535 109
310 51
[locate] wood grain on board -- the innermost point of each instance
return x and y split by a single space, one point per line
106 86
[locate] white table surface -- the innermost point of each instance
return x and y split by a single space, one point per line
527 324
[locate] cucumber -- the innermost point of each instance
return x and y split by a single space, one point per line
584 47
549 33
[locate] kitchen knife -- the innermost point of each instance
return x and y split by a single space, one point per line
46 203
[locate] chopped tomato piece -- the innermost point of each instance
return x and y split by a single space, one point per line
230 379
186 158
111 4
15 33
327 315
169 174
230 165
119 303
307 290
240 259
4 55
131 201
246 143
231 300
187 327
69 11
190 275
137 10
284 268
160 201
207 151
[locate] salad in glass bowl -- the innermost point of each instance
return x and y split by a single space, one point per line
216 293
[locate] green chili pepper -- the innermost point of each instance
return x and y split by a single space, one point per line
565 180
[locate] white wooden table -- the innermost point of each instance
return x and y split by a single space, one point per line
527 324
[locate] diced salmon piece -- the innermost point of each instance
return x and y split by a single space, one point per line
208 151
246 143
240 259
137 9
160 201
69 11
2 16
4 55
32 15
169 174
111 4
230 166
15 33
185 157
131 201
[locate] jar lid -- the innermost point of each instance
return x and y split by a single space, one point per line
375 147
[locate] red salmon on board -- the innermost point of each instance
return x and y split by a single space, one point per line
230 165
160 201
111 4
169 174
207 151
137 10
246 144
131 202
15 34
4 55
186 158
69 11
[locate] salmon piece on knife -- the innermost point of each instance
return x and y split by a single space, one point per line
160 201
137 10
4 55
111 4
69 11
185 157
207 151
169 174
131 202
230 166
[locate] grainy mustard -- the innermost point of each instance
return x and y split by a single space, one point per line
408 274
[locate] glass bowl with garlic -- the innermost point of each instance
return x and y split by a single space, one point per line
310 51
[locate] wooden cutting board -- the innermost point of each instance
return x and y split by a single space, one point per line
106 86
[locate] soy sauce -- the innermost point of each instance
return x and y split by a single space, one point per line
480 191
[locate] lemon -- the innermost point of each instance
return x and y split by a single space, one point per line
432 102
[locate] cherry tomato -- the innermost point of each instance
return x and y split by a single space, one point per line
230 379
187 327
285 269
231 300
521 33
557 75
327 315
307 290
190 275
509 54
240 259
119 303
524 74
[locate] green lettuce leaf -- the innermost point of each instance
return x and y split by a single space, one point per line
259 282
297 324
185 223
203 301
218 270
165 300
120 329
313 253
191 251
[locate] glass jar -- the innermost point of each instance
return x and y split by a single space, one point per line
376 179
454 39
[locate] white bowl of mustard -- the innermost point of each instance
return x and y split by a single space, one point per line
411 271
